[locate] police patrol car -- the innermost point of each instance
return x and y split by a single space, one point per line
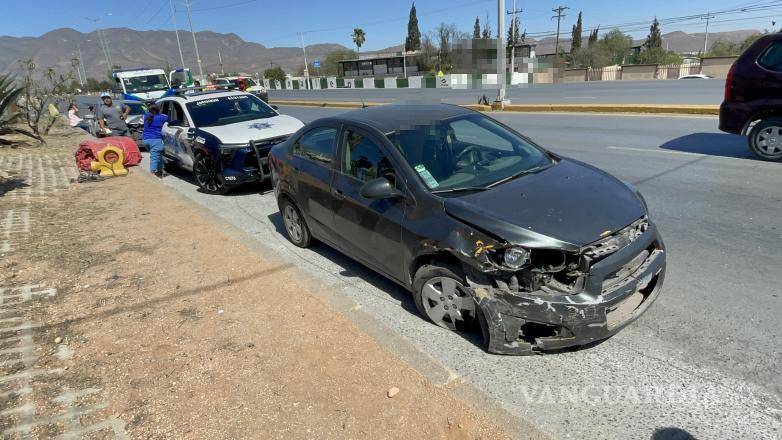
223 137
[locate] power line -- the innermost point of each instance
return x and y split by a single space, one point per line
245 2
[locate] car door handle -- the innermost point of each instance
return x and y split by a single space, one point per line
337 194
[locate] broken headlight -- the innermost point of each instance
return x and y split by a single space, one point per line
515 257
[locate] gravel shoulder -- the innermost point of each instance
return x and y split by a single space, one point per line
179 330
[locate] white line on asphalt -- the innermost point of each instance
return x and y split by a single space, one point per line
650 150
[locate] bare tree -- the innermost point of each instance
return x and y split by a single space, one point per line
41 88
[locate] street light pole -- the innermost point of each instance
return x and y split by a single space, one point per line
102 43
195 44
306 69
176 31
500 54
81 62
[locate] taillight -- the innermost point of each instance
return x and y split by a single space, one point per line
729 83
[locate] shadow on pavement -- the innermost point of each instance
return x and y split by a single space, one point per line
353 269
242 190
12 184
712 144
671 434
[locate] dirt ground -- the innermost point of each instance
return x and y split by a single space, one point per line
146 321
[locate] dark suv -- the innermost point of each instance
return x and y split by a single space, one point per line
753 97
477 221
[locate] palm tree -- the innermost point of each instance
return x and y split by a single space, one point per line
359 37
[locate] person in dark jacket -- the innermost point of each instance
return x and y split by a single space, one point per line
152 137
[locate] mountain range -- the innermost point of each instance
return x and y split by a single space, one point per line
130 48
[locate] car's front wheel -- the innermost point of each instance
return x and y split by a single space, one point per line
765 139
440 295
295 226
205 175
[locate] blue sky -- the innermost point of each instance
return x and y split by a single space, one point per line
276 23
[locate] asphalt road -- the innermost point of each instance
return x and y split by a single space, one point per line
706 357
694 91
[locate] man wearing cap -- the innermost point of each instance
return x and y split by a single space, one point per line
112 116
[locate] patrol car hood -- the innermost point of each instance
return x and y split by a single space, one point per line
258 129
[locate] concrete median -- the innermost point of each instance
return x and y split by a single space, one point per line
541 108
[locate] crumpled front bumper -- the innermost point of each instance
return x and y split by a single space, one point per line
528 323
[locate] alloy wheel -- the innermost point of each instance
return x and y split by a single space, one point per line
293 223
447 302
769 141
206 174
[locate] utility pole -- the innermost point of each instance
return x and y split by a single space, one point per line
195 44
220 58
81 62
513 32
103 45
559 11
708 17
176 31
500 54
306 69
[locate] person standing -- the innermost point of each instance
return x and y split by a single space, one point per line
112 116
75 121
152 137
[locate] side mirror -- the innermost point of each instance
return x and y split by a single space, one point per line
380 188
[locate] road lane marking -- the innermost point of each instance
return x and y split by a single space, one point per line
649 150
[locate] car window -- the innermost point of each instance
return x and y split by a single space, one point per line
469 132
164 109
230 109
471 151
317 145
772 57
177 115
363 159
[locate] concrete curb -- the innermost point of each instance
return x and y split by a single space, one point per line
542 108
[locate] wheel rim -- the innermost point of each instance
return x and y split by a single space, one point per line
769 141
206 174
293 223
447 303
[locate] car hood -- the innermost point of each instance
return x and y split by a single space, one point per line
259 129
568 205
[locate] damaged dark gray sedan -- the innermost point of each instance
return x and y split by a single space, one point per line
477 221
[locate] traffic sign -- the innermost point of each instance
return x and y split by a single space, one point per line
316 64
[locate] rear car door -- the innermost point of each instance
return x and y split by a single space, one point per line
312 159
369 230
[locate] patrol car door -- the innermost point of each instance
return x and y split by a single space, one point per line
178 121
169 133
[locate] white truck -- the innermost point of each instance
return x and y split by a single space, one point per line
141 84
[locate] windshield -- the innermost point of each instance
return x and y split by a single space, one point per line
148 83
249 81
469 151
136 108
228 110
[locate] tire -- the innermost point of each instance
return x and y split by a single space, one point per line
440 296
205 175
765 139
295 225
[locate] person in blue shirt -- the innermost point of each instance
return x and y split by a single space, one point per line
152 137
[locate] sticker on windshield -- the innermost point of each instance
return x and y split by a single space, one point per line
427 176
